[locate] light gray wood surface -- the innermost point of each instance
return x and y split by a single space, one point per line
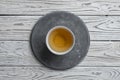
17 53
17 18
79 7
42 73
19 27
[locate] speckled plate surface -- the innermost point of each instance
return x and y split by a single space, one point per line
40 50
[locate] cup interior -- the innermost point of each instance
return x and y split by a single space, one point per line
60 40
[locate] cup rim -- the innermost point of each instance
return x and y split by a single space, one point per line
55 52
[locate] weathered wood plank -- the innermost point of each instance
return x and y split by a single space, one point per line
19 53
41 73
79 7
19 27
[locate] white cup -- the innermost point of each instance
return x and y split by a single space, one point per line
60 40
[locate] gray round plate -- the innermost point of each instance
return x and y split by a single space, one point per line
61 62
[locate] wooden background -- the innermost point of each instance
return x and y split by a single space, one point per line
17 18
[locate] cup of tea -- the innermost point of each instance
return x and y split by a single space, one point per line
60 40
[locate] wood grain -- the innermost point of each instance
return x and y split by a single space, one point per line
41 73
19 27
17 53
41 7
17 18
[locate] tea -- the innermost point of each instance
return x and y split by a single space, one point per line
60 40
